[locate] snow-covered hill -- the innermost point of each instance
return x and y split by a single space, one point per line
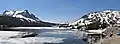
24 14
109 17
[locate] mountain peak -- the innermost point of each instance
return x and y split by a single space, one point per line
25 14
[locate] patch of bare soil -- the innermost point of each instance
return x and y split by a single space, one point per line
112 40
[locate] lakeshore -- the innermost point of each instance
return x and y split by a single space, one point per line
112 40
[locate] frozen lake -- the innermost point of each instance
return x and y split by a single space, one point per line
48 36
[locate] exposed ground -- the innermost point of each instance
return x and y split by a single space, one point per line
115 39
112 40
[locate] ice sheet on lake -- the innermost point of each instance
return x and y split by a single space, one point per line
48 36
36 28
31 40
6 34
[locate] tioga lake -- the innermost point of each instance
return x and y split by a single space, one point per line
47 36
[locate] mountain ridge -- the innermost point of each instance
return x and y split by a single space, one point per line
23 18
21 14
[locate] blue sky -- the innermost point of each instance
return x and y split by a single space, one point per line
59 10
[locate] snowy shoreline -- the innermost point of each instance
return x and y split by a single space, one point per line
37 28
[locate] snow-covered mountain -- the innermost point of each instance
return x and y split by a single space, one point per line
109 17
22 18
24 14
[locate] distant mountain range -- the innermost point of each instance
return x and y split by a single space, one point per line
22 18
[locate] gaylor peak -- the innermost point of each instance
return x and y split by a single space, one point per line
21 14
